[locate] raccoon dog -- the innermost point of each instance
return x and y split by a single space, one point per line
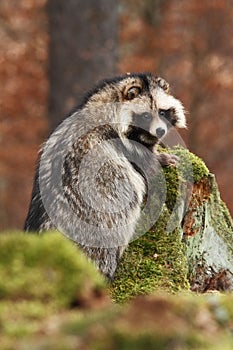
94 171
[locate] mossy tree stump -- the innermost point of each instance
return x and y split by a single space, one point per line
208 234
191 244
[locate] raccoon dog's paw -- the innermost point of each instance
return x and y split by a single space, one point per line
166 159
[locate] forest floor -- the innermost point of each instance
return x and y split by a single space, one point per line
51 297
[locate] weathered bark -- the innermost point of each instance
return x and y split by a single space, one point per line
208 233
83 46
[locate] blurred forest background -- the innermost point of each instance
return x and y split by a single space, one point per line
53 50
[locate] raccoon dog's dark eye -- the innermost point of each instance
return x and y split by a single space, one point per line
133 92
162 112
146 116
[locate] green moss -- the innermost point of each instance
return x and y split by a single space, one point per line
190 167
157 260
48 268
154 261
41 275
199 169
21 318
220 216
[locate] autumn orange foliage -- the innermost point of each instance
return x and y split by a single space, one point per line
23 103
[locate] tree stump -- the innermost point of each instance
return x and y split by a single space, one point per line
191 244
208 234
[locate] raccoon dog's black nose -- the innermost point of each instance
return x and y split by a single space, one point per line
160 132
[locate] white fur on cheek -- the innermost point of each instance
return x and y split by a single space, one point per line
165 101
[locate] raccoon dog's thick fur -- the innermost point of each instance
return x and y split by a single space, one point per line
91 178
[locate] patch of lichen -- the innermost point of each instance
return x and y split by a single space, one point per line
219 214
41 275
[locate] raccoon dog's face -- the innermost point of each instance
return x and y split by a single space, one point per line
147 109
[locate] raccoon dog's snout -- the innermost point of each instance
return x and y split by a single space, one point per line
160 132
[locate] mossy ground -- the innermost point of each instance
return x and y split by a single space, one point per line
40 276
156 322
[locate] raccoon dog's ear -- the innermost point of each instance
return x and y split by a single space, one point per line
163 84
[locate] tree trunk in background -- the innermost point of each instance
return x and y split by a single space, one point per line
83 50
